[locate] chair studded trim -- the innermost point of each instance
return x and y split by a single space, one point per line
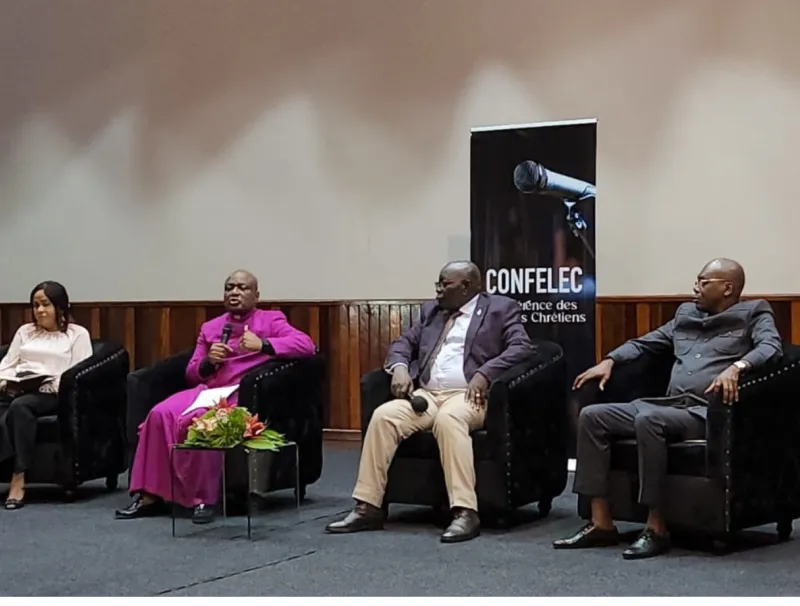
517 380
273 370
769 376
101 362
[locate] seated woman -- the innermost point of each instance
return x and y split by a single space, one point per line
255 336
30 374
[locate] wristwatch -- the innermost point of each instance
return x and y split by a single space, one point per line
741 365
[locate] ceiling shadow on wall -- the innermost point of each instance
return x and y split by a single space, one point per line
198 73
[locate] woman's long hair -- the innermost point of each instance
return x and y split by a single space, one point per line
59 298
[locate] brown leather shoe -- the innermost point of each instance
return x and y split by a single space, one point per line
363 517
465 526
589 536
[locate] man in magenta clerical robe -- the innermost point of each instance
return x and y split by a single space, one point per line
255 337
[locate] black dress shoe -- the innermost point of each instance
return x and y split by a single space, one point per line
137 509
15 503
203 514
363 517
589 536
648 545
465 526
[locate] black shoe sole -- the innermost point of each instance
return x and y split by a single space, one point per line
642 555
580 545
460 538
351 530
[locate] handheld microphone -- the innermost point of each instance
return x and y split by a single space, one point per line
226 334
533 178
418 403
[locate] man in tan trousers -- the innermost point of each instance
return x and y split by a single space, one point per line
463 341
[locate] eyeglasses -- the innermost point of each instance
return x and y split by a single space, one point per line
701 282
446 283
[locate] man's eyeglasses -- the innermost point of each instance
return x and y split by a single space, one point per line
703 282
445 283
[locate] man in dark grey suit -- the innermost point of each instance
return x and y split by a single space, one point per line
714 340
463 341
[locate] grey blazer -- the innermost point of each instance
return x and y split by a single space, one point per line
704 345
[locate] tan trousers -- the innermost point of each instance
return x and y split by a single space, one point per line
450 418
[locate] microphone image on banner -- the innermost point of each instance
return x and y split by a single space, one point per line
533 178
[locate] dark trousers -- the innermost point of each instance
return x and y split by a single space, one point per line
652 425
18 417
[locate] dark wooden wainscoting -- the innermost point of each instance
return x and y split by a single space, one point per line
353 335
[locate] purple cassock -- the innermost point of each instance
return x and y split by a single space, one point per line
197 477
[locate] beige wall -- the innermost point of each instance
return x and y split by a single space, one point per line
147 147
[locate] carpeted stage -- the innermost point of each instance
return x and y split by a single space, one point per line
51 548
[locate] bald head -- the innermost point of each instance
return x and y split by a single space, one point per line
730 270
464 270
459 281
241 292
719 285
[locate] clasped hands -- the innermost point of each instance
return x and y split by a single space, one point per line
249 341
403 386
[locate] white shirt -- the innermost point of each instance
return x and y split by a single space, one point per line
46 353
447 371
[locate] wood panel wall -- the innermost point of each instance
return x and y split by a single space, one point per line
353 335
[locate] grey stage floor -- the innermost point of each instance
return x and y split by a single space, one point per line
51 548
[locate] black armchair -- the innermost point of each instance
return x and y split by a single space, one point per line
520 454
85 439
746 472
288 393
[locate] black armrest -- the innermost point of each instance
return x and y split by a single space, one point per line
752 444
375 390
287 394
526 399
92 397
153 384
646 377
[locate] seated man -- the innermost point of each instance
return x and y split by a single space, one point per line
463 341
255 336
714 340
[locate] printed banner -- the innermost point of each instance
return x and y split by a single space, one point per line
532 215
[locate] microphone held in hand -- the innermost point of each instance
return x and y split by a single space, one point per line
418 403
226 334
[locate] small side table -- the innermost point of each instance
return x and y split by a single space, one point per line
246 470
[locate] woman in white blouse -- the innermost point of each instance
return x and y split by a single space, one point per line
30 374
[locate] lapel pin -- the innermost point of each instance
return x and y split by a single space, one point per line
480 311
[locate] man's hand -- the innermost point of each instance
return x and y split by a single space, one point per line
476 390
402 383
728 382
3 385
218 352
250 341
601 372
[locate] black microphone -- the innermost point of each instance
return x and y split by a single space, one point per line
533 178
418 403
226 334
